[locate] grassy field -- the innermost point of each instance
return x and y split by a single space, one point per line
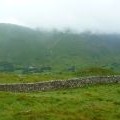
8 77
101 102
27 78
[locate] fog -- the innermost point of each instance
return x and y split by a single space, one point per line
78 15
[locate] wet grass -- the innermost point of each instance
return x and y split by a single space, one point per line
101 102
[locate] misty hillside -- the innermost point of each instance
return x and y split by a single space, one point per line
24 46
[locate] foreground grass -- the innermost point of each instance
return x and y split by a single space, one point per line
88 103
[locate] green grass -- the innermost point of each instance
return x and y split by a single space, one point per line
27 78
63 75
100 102
96 71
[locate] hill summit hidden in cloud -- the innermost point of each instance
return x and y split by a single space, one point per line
24 46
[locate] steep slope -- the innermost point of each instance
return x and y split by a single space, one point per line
84 50
25 46
19 44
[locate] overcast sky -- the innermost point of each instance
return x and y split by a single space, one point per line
95 15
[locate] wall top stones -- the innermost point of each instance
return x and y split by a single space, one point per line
59 84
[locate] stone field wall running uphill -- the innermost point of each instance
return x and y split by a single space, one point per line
58 84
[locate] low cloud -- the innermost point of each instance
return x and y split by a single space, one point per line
79 15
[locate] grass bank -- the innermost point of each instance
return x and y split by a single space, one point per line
101 102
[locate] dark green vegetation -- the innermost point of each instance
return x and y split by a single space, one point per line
23 50
88 103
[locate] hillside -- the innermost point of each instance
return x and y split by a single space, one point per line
21 47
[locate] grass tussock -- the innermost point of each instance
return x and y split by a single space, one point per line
89 103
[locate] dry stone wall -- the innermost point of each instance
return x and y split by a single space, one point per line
58 84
